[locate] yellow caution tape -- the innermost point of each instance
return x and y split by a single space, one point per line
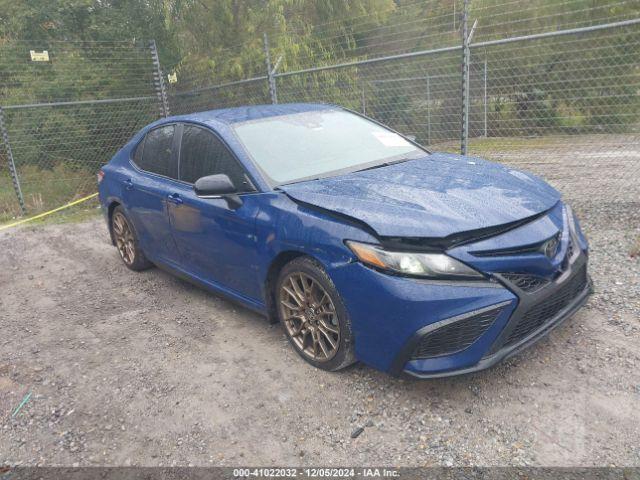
40 215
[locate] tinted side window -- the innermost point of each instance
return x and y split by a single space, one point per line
203 154
157 156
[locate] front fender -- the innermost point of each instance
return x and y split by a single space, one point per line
283 225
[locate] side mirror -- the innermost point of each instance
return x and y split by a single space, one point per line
214 185
219 185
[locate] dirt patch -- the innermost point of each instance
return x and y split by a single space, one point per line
144 369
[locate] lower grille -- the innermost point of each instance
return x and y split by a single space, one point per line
525 282
544 311
455 336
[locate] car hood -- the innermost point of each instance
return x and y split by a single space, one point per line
433 197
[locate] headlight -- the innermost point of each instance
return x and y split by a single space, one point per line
431 265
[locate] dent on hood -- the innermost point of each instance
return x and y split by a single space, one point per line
436 197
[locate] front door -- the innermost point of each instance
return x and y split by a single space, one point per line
216 242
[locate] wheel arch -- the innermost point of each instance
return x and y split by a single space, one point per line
112 206
275 267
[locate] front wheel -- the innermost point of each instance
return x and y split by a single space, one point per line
313 315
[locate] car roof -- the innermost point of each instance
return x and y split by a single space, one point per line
249 112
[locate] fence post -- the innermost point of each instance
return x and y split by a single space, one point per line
12 165
485 95
464 132
158 81
270 78
428 110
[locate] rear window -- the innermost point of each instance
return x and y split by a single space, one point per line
156 154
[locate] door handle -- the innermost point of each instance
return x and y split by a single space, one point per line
175 198
128 184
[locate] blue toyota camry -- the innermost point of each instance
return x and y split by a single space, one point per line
364 245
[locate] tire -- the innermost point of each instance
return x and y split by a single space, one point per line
311 312
126 241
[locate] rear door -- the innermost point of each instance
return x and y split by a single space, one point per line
216 243
147 189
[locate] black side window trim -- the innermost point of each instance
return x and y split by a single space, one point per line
252 182
177 133
139 146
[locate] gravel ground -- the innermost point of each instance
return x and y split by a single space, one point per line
132 368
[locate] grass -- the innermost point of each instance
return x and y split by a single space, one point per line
43 190
75 214
496 144
484 146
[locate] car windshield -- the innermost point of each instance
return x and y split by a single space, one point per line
315 144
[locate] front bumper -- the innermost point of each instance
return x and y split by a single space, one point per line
390 315
507 351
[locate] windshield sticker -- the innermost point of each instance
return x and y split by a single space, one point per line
390 139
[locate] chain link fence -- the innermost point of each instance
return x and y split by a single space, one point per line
562 103
250 92
565 107
549 87
66 108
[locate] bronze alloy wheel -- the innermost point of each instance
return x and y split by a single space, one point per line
124 238
309 316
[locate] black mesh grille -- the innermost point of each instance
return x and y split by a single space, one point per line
456 336
544 311
525 281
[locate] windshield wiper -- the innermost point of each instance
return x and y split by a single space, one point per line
385 164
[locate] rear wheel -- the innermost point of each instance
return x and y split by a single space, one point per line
127 242
313 315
